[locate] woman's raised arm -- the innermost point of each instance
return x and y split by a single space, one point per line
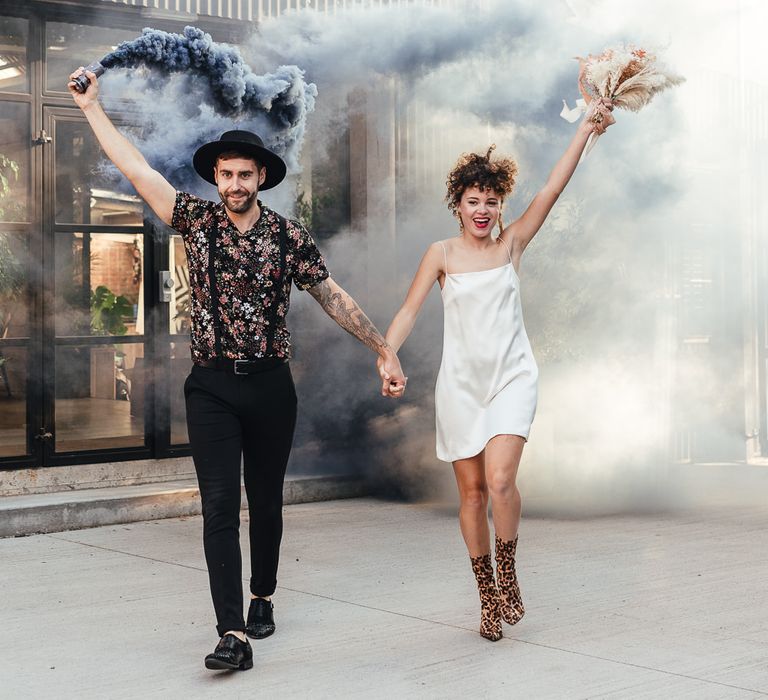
520 232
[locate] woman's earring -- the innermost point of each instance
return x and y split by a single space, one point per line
501 226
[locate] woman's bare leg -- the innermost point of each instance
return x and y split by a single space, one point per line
502 460
473 520
473 509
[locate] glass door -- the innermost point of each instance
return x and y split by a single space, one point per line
18 245
170 333
178 343
95 351
94 343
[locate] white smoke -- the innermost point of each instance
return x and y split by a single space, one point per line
601 306
601 282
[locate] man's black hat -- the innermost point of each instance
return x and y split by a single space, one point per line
247 143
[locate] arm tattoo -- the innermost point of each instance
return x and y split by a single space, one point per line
350 317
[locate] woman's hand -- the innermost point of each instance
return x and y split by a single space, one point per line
393 380
598 117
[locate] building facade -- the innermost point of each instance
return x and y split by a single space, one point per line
93 344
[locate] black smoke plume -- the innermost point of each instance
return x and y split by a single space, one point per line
215 87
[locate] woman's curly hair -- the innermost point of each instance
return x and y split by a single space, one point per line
476 170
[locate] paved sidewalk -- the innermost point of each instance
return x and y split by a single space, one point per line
376 600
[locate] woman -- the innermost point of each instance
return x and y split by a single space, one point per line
485 396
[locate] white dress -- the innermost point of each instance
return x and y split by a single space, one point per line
487 383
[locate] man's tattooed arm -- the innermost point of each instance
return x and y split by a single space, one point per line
343 309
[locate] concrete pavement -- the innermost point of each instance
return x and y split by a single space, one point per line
377 600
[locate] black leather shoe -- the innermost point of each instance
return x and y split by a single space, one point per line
230 653
261 620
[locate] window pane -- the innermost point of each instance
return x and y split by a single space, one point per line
180 306
82 197
13 401
13 54
179 348
99 397
181 364
14 311
14 161
99 284
71 45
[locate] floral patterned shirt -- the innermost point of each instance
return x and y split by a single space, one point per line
246 267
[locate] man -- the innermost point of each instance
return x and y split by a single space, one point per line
241 402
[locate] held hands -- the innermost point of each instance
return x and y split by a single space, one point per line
83 99
393 380
598 117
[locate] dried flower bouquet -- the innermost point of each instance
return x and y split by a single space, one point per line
629 76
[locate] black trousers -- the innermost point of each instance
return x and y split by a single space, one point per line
229 416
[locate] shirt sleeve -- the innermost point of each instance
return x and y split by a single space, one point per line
186 209
309 267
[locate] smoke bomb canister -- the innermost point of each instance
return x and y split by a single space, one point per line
82 82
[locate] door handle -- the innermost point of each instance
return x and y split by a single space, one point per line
43 434
42 138
165 287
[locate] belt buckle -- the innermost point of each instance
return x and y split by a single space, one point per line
236 367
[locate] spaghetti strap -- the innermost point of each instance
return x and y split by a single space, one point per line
445 257
509 252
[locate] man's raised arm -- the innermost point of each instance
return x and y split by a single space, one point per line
152 187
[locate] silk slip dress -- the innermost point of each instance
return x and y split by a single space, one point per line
487 383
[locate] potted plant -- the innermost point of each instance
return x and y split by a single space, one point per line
11 282
11 269
109 311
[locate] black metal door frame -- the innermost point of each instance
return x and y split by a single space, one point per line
47 105
51 117
45 108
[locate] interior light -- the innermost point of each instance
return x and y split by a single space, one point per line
8 73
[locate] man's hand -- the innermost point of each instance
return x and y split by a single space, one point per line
91 95
393 380
343 309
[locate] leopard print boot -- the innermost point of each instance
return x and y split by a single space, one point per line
490 603
512 609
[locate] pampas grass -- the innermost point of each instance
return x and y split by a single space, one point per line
629 76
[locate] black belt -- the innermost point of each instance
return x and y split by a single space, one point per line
259 364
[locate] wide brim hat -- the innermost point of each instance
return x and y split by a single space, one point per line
247 143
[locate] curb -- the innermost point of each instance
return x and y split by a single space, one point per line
74 510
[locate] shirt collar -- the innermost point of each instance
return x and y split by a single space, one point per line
266 218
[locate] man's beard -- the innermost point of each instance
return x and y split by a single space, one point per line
242 205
